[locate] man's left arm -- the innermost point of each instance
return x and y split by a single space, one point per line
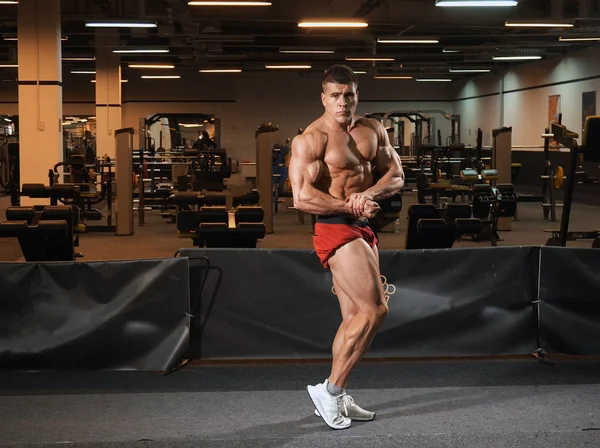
388 164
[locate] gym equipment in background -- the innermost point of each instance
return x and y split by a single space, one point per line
46 232
430 227
590 149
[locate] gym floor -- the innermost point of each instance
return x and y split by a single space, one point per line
436 403
157 239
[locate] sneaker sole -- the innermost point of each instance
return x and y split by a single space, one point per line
319 406
353 419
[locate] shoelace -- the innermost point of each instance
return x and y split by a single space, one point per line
345 401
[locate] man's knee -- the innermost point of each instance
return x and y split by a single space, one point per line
380 314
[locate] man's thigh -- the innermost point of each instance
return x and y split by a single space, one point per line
355 268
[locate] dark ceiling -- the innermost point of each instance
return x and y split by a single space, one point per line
250 37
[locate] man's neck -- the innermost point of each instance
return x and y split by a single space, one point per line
336 126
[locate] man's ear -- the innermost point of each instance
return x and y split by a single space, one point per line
323 98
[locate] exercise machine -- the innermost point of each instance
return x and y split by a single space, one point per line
430 227
590 149
46 232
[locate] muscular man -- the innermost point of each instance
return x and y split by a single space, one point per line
332 176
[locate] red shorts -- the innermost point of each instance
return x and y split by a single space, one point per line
330 237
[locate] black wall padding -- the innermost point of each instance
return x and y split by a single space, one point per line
279 304
119 315
570 301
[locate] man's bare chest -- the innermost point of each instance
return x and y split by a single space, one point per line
348 151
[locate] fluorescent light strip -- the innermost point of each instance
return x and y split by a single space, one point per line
538 25
516 58
469 70
446 50
141 50
307 51
359 72
434 80
79 59
9 2
15 39
150 66
117 24
476 3
291 67
225 3
8 66
161 77
408 41
123 80
333 24
221 70
392 77
578 39
83 72
370 59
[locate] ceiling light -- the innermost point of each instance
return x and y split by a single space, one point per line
151 66
476 3
140 50
539 25
282 66
392 77
469 70
434 80
408 40
221 70
516 58
79 59
333 24
83 72
161 77
9 2
306 51
14 39
225 3
370 59
120 24
359 72
8 66
449 50
578 39
123 80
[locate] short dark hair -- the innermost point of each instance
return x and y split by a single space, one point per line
340 74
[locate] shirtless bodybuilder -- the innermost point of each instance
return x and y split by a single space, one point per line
332 176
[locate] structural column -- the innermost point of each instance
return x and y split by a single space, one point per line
108 92
40 90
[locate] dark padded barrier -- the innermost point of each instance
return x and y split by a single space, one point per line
121 315
570 300
278 303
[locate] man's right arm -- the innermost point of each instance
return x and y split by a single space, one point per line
304 171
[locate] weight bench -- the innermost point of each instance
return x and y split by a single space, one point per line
249 225
70 214
47 240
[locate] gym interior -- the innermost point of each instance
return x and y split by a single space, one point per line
157 277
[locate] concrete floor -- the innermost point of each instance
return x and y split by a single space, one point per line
157 239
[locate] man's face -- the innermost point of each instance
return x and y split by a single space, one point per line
340 101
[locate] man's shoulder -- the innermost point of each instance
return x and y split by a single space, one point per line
313 136
370 123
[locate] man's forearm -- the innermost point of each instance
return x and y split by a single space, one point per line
314 201
386 187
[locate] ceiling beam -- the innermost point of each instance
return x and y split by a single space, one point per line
557 9
368 7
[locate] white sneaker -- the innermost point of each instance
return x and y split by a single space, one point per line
353 411
329 406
